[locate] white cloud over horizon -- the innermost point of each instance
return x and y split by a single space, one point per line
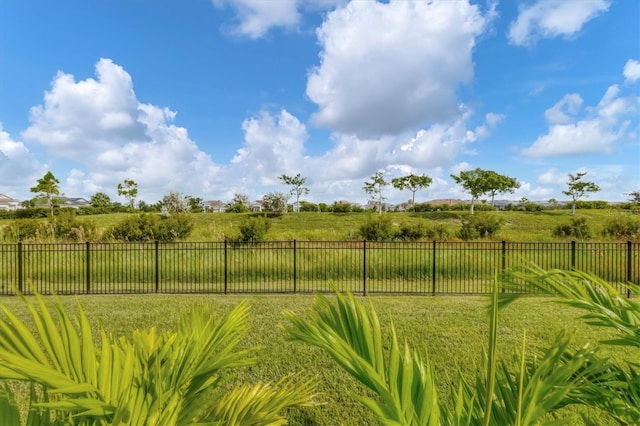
595 132
367 85
100 125
553 18
18 166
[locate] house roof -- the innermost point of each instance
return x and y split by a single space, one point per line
7 199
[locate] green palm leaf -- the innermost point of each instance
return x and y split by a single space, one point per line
149 379
351 335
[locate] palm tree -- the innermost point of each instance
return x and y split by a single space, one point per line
151 378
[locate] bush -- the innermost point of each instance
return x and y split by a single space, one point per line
623 227
411 232
64 226
253 229
31 213
151 227
22 230
377 228
339 207
479 226
439 232
578 228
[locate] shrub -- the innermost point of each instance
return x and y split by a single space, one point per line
411 232
339 207
253 229
622 227
151 227
377 228
306 206
479 226
31 213
439 232
64 226
175 227
22 230
236 208
578 228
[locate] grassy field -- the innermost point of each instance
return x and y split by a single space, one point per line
452 330
517 226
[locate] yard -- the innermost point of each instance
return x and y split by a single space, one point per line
451 329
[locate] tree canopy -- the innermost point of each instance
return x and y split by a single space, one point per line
499 184
474 182
129 190
578 188
374 188
297 189
47 187
413 183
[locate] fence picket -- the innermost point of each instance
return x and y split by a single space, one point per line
297 266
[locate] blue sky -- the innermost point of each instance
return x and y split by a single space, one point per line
214 97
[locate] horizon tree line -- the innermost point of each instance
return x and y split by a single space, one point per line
477 183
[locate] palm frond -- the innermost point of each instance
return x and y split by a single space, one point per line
262 403
351 335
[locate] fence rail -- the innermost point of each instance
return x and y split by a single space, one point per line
296 266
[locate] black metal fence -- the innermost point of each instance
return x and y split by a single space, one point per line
296 266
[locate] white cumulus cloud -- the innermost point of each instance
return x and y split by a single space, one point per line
257 17
18 166
386 68
632 71
592 131
100 125
553 18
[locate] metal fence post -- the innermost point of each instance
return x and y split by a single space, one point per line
20 266
157 265
629 263
225 266
294 266
433 268
573 254
364 267
88 268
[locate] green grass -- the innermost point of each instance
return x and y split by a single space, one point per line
517 226
451 329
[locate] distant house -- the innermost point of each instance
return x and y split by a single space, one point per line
8 203
445 202
72 202
214 206
256 206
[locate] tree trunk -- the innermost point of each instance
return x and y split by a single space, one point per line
472 201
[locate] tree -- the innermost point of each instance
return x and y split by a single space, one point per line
48 187
474 182
239 204
129 190
275 202
635 197
195 203
413 183
499 184
174 202
577 188
297 189
100 200
374 189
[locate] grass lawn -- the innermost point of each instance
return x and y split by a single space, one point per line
451 329
517 226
